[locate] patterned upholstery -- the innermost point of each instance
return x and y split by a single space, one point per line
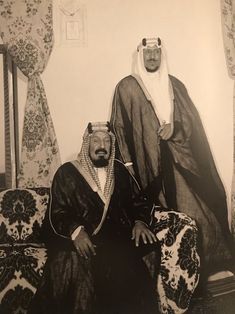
22 253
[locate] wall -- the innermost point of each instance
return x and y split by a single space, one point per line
80 81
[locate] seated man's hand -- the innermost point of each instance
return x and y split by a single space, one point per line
165 131
83 244
141 231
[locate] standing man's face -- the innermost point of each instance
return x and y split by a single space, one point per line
152 58
100 148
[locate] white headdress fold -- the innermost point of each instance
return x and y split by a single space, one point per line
156 83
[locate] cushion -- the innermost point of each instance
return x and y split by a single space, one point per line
21 214
21 268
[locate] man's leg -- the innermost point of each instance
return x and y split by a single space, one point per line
127 286
179 267
67 286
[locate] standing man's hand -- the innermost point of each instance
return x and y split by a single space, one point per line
165 131
84 245
141 231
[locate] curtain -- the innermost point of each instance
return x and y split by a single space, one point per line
27 30
228 29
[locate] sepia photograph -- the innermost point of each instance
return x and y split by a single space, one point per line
117 157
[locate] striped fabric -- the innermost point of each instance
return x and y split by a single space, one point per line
221 286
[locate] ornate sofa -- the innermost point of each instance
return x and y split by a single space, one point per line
23 254
22 251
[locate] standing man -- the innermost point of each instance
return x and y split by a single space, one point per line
103 228
161 139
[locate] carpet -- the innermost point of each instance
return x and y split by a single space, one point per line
220 298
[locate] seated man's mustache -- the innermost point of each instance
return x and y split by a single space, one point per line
101 150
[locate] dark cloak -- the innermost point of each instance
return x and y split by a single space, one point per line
117 275
181 168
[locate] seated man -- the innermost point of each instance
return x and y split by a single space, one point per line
103 228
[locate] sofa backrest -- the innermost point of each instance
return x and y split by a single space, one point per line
21 214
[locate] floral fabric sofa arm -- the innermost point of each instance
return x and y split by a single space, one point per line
22 251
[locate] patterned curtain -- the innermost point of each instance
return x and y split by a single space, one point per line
26 29
228 28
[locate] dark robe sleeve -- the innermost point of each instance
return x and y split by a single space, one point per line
207 181
142 209
64 211
121 126
130 197
135 126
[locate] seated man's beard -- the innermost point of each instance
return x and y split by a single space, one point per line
101 162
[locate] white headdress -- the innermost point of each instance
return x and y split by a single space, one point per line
156 83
